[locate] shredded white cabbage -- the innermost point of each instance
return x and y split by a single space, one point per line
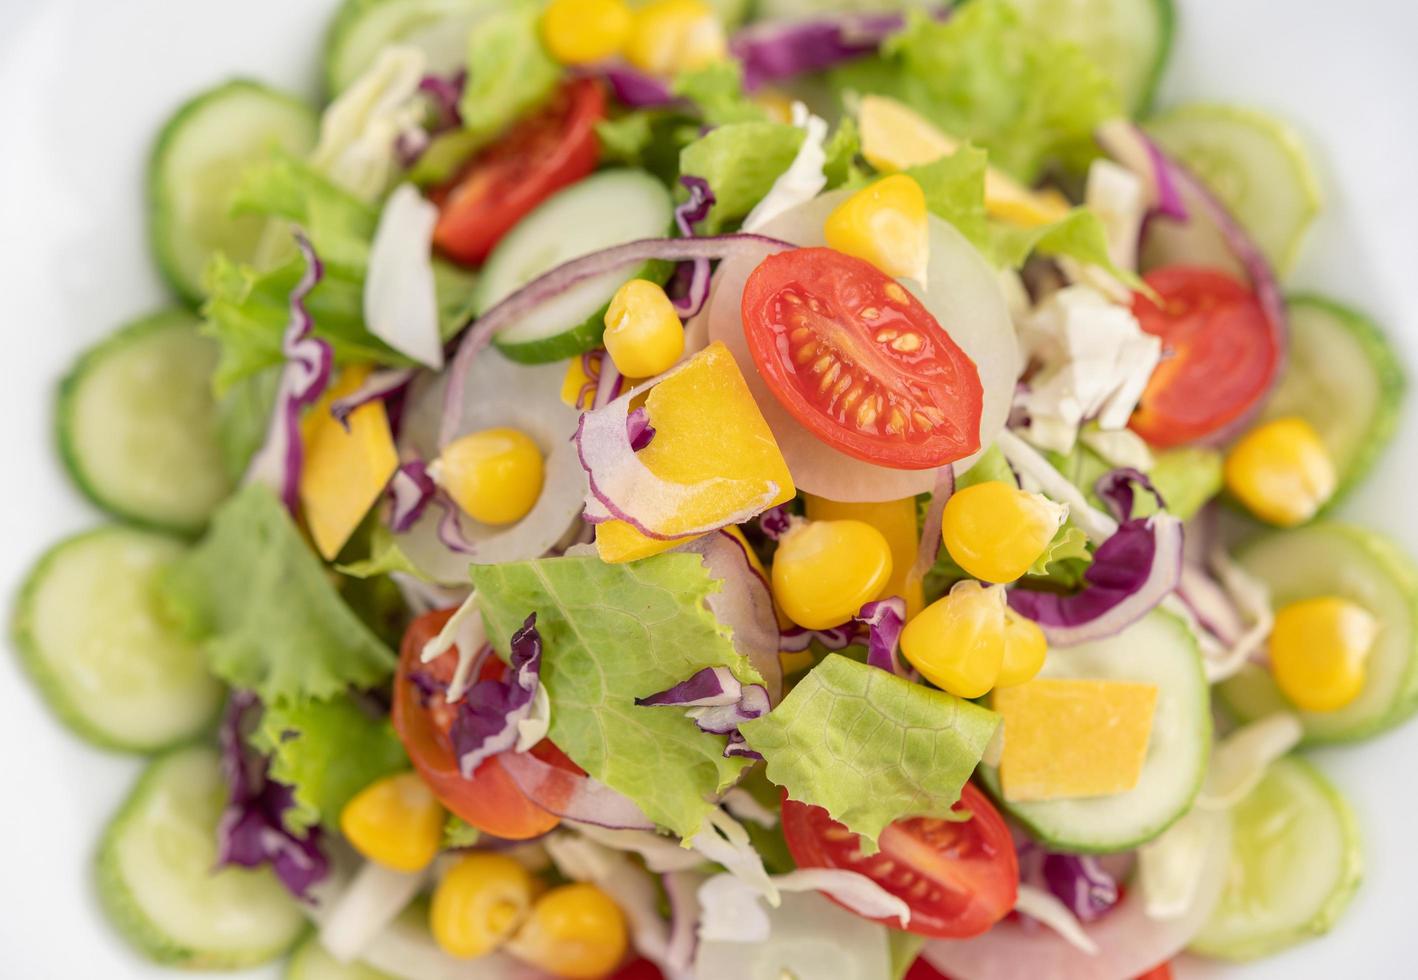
466 631
1120 200
400 298
1240 759
1044 908
660 854
741 804
359 129
373 899
731 912
533 728
803 180
1170 868
1118 447
725 842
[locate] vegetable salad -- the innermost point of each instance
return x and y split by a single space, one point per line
699 489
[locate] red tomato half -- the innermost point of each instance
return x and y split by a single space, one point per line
857 359
1163 972
1220 353
490 800
921 969
959 878
499 186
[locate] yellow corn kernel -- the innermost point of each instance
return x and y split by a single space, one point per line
1024 650
996 531
1281 472
396 822
896 520
495 475
884 224
824 571
574 931
479 904
778 105
796 661
577 32
643 334
669 36
957 642
1318 651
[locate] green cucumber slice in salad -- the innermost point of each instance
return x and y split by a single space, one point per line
89 630
197 163
1128 39
156 879
1255 164
311 962
606 209
138 424
1343 377
1328 559
1296 862
1160 650
362 28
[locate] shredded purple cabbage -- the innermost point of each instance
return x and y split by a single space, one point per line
796 639
1081 883
444 93
737 747
634 88
488 716
718 703
777 50
379 386
774 522
884 620
1114 488
710 686
411 490
691 287
725 719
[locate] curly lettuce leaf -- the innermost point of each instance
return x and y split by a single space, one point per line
1187 478
509 73
457 832
613 633
740 161
260 602
870 747
717 89
841 151
1079 235
1061 558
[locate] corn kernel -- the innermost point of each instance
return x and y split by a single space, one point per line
995 531
643 334
825 571
669 36
1024 650
884 224
495 475
1281 472
1318 651
957 642
577 32
479 904
574 931
396 822
896 520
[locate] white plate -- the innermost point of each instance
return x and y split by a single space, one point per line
85 83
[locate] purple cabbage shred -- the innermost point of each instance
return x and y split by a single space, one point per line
488 717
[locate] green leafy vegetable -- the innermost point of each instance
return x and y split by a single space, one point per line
509 72
612 633
741 161
717 89
904 947
841 151
1079 235
385 556
243 416
457 832
989 467
870 747
1187 478
261 603
1070 545
326 751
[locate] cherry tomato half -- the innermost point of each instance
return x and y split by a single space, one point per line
959 878
1220 353
490 800
501 184
859 361
1163 972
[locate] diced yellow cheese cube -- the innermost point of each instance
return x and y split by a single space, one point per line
344 472
708 433
896 520
1066 738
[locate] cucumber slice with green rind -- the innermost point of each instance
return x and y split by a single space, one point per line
311 962
1128 39
609 208
1296 861
156 877
1343 377
1159 650
89 630
1329 559
138 424
361 28
1255 164
196 164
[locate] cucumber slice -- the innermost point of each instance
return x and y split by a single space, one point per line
1344 378
1160 650
608 208
1352 563
361 28
1128 39
196 164
1296 862
311 962
156 879
88 628
1255 164
138 424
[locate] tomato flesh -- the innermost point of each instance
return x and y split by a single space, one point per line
503 183
859 361
958 877
1220 354
1163 972
490 800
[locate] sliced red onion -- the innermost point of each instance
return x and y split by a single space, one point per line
773 51
930 526
884 620
744 603
572 796
696 290
379 386
489 717
638 429
553 283
304 377
411 490
796 639
1114 488
711 686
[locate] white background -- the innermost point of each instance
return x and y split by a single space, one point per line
84 85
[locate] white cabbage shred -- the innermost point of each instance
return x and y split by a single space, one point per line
400 298
359 130
1044 908
803 180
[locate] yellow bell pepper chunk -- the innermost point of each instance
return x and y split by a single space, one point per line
1067 738
884 224
896 520
1319 650
709 433
344 472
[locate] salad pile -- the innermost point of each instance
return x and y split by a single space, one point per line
638 490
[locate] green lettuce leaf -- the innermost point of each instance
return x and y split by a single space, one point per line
1079 235
612 633
263 606
870 747
326 751
741 161
841 151
990 466
243 417
717 89
1069 545
385 556
457 832
509 72
1188 478
904 947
